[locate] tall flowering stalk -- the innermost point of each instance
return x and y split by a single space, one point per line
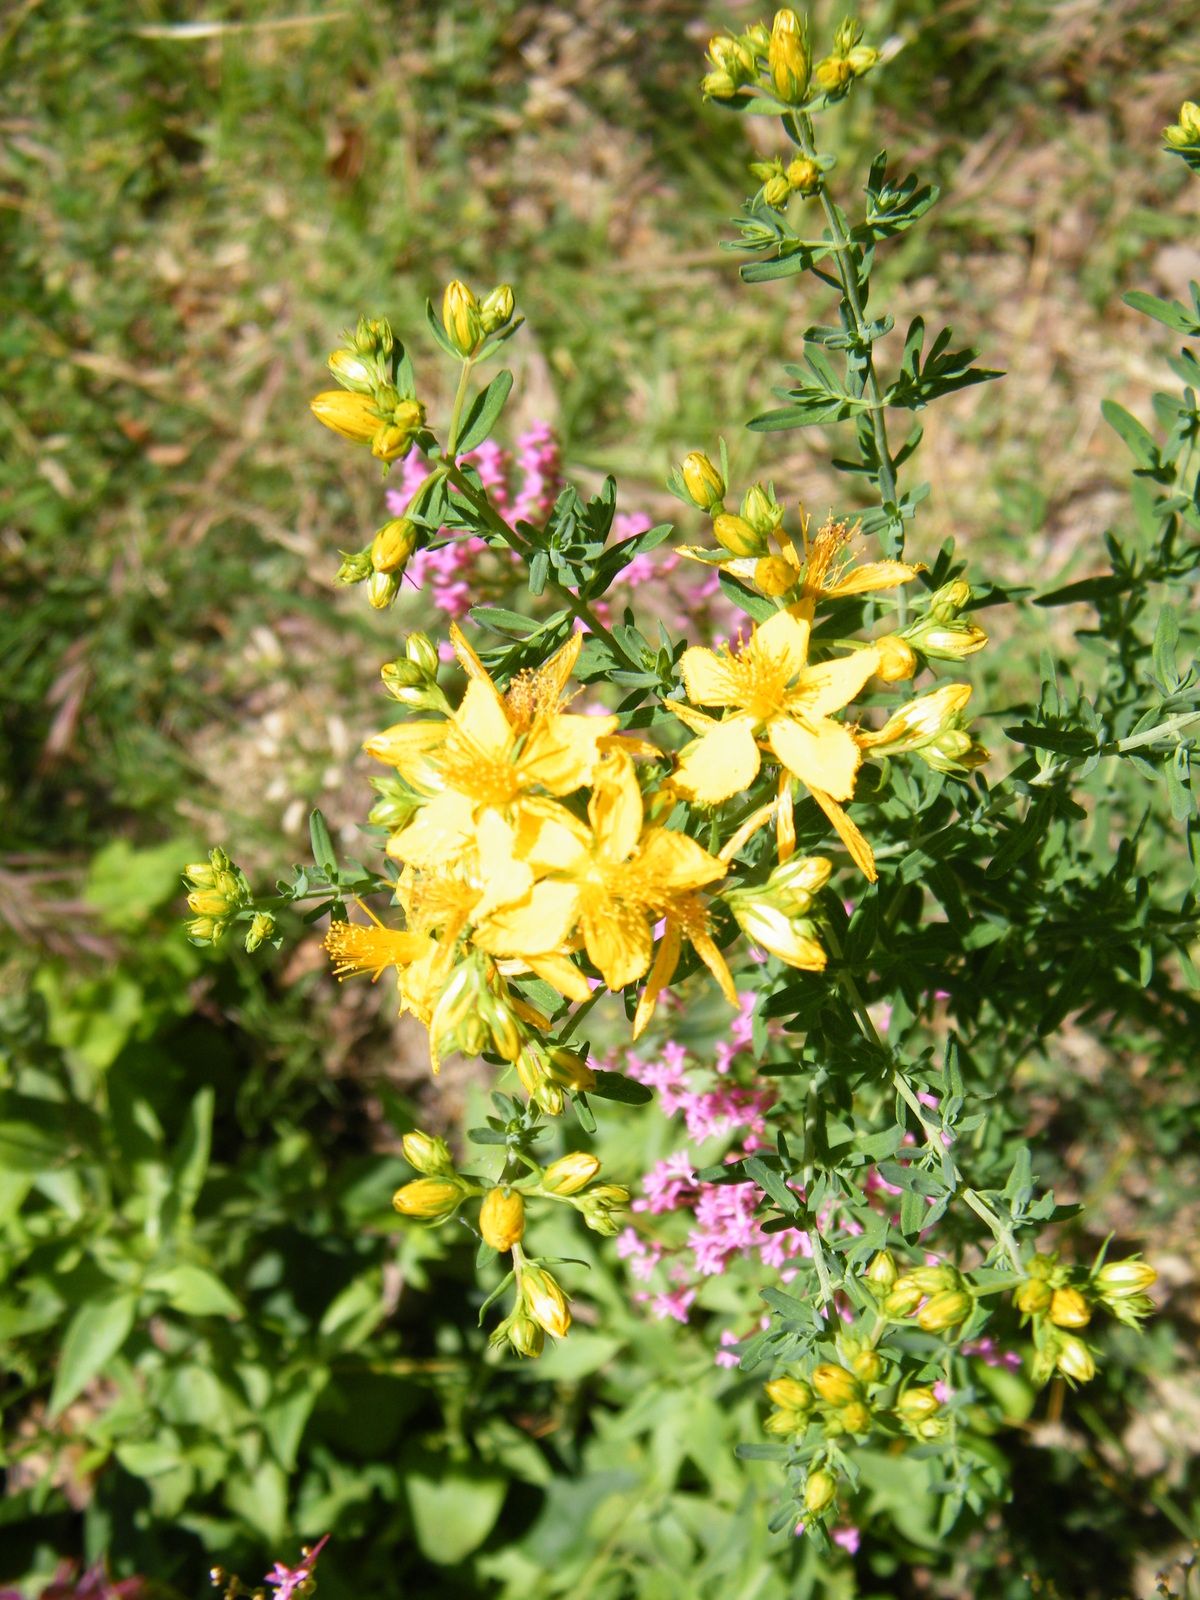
796 817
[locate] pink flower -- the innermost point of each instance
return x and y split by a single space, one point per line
849 1538
286 1580
675 1304
725 1356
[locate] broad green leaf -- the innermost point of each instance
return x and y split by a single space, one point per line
484 412
194 1291
616 1086
453 1514
322 844
96 1332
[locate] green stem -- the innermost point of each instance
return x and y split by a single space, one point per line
460 397
577 607
846 258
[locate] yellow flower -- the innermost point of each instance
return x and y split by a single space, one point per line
770 690
821 568
491 755
611 879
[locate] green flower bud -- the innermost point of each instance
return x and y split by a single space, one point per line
704 484
497 309
461 318
570 1173
1124 1280
820 1491
356 567
882 1274
262 926
945 1310
1033 1296
427 1153
422 652
916 1404
1074 1360
352 372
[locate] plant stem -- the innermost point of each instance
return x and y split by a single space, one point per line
460 397
846 258
577 607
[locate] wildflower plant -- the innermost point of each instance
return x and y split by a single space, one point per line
804 819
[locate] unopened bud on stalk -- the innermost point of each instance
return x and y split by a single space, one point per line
262 926
919 722
422 652
1069 1309
767 924
461 318
502 1218
868 1365
803 175
598 1206
1033 1296
430 1199
903 1300
820 1491
931 1278
1186 132
897 658
351 371
835 1384
857 1417
571 1071
393 545
916 1404
544 1300
351 415
356 567
881 1274
382 589
1124 1280
947 641
718 85
784 1423
788 59
833 74
789 1394
373 336
704 484
497 308
427 1153
1075 1360
570 1173
394 439
945 1310
862 59
776 191
761 510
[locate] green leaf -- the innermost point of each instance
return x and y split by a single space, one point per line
616 1086
322 844
96 1332
194 1291
1169 312
26 1147
483 413
1139 440
454 1513
1166 647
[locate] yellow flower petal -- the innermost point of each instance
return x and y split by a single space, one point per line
440 833
468 660
481 724
860 851
673 862
822 754
536 927
780 645
785 820
666 959
407 745
870 576
722 762
830 685
618 939
712 958
710 678
615 810
561 752
505 879
561 973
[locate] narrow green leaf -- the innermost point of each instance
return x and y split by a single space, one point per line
322 844
96 1332
484 412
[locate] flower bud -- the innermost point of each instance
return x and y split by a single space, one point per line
428 1153
945 1310
598 1205
787 57
833 74
422 652
1069 1309
1033 1296
789 1394
768 925
861 59
919 722
1074 1359
544 1300
429 1199
373 336
803 175
355 568
704 484
718 85
460 318
820 1491
351 415
930 1279
915 1404
945 603
1186 131
734 56
262 926
205 930
202 873
393 545
776 192
948 641
525 1336
882 1273
793 884
351 371
834 1384
570 1173
929 1428
1124 1280
208 903
761 510
784 1423
571 1071
903 1300
502 1218
857 1417
868 1365
382 589
394 440
774 576
497 308
758 38
897 658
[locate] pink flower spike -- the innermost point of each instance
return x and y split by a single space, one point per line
286 1580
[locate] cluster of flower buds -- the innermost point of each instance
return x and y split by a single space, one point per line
412 678
937 1298
549 1073
941 634
849 59
777 61
372 406
436 1195
218 894
931 727
779 183
1058 1302
469 322
777 914
848 1400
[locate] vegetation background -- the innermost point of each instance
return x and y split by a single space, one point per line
189 212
